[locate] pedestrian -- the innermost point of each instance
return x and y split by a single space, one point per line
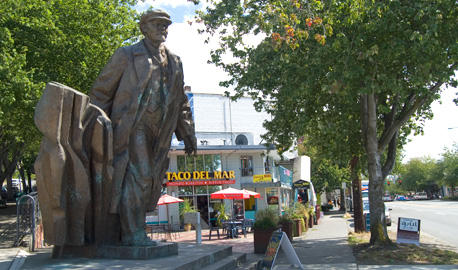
304 196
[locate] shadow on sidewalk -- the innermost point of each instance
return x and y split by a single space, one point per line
8 226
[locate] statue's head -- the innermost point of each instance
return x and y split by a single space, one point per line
154 25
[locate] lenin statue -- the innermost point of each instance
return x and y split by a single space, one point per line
103 158
141 90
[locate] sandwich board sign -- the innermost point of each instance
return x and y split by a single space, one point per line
277 240
408 231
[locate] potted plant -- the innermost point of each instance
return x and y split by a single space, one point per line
311 217
286 223
266 222
222 216
301 215
186 207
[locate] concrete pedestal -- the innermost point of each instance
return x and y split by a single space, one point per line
116 252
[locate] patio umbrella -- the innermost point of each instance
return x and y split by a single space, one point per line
167 199
231 194
252 193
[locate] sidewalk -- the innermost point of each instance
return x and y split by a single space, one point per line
323 247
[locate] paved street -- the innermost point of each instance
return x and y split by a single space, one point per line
438 218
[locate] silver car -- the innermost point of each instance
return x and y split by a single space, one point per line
387 212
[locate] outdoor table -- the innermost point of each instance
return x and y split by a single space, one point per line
231 228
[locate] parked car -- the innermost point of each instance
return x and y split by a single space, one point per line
387 212
387 198
402 198
420 196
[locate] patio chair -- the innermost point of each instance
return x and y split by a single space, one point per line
213 228
246 223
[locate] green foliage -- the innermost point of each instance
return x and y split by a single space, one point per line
301 210
419 175
56 40
266 219
448 168
287 216
366 88
186 207
222 216
327 174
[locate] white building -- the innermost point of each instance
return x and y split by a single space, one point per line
231 153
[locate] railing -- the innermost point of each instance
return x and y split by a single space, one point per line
27 215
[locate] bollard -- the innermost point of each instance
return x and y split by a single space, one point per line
198 230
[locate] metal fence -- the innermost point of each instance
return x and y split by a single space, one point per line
28 215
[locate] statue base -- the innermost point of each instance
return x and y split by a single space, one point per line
116 252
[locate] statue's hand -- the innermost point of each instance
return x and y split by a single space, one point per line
190 145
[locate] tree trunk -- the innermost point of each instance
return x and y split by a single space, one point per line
343 206
29 178
379 235
357 196
23 180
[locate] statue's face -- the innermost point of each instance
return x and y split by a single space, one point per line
155 30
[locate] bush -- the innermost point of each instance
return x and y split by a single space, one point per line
266 219
287 216
301 210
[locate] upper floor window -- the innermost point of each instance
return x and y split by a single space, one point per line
209 163
267 164
247 165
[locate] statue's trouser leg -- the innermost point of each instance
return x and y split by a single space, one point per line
136 191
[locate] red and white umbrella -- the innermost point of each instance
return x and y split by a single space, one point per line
231 194
167 199
234 194
252 193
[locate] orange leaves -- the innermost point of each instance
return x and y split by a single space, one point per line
313 22
289 31
320 38
309 22
276 36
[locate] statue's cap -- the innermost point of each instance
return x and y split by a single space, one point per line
158 14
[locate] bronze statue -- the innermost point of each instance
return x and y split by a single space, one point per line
141 91
102 164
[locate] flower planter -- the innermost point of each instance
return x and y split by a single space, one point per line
261 239
298 231
287 227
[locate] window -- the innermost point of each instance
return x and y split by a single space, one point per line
247 165
181 163
209 163
182 191
267 164
217 163
201 190
212 189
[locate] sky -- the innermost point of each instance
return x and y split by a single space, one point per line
184 41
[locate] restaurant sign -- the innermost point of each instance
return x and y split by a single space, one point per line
260 178
201 183
202 175
200 178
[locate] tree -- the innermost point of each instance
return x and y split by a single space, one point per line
448 168
326 174
419 175
389 59
41 41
